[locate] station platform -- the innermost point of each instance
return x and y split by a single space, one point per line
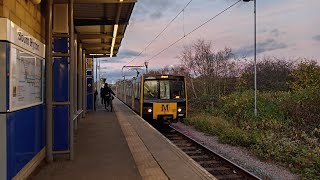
121 145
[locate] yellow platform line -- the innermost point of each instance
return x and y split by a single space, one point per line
147 165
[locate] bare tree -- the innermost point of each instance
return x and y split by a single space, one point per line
208 68
273 74
188 64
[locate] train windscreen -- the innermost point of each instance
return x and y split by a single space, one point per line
177 89
151 89
163 89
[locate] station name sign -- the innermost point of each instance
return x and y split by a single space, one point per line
28 41
11 32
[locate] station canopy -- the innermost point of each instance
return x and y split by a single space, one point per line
101 24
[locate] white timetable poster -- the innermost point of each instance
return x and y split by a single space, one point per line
26 79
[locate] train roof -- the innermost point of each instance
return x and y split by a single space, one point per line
161 75
153 76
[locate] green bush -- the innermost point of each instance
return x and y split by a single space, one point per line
227 132
239 108
236 136
287 127
305 76
203 103
303 107
286 130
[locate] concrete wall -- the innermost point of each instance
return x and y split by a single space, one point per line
26 15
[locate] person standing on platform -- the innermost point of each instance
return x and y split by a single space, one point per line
107 91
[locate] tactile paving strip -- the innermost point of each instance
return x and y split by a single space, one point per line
147 165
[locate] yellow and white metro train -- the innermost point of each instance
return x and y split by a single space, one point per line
155 97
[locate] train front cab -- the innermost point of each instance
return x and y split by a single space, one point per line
163 98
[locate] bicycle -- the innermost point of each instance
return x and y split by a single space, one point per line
108 102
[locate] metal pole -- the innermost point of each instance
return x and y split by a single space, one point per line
99 84
84 84
75 73
49 124
75 47
255 59
80 75
79 80
96 69
71 47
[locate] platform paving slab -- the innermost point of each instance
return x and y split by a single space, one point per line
174 163
147 165
101 152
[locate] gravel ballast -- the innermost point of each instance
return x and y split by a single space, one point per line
238 155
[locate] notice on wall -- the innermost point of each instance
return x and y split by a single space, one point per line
26 79
89 63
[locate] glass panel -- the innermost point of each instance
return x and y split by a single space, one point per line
177 89
151 90
164 90
26 75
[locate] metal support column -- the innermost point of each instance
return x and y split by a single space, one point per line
49 123
84 85
96 69
80 76
72 62
75 82
75 77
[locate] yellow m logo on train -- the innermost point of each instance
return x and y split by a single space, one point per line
165 107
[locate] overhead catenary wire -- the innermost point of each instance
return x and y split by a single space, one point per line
160 32
193 30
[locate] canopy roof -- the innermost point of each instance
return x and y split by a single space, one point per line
101 24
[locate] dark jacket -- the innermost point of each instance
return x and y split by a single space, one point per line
101 92
106 91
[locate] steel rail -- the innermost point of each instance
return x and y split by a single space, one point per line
213 162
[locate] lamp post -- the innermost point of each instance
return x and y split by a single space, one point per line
255 56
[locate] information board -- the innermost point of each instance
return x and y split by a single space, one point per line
26 79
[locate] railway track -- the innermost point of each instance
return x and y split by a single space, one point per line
217 165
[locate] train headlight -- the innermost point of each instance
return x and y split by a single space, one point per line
149 110
179 109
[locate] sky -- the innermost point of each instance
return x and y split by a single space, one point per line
285 28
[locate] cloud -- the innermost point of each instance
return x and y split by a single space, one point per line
154 9
156 15
277 33
121 57
264 46
316 37
116 74
127 53
111 60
